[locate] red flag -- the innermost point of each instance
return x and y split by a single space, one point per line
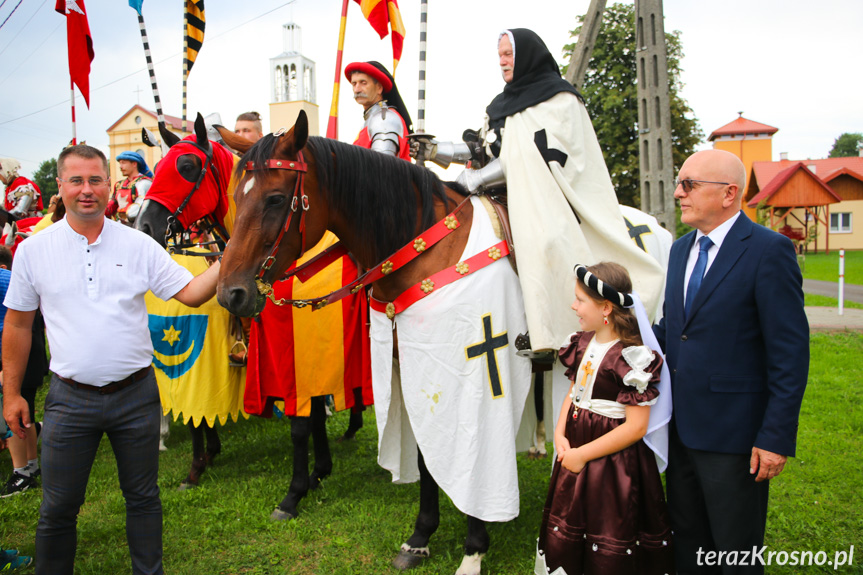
383 15
80 44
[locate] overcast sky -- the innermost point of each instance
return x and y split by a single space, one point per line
792 64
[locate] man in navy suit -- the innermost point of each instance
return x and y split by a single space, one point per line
737 344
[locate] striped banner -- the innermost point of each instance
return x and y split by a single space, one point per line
333 123
193 40
421 102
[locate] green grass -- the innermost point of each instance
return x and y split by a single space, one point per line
826 301
825 267
355 523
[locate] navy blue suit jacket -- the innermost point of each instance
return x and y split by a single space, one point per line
739 363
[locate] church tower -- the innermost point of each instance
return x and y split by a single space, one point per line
750 141
292 83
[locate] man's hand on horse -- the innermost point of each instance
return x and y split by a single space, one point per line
422 147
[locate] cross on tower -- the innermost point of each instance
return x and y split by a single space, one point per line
487 348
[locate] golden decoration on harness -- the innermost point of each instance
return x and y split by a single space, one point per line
462 268
320 304
420 245
450 222
494 253
357 288
387 267
391 310
427 286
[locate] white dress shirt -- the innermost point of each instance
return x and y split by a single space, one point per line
92 297
717 236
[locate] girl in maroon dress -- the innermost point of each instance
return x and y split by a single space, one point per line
605 511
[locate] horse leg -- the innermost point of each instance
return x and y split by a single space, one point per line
416 548
214 444
538 450
300 430
199 461
356 421
323 460
475 547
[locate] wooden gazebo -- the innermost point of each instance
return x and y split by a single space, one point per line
793 189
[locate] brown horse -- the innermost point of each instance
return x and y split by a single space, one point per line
294 189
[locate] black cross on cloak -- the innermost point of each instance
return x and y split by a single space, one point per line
487 348
635 232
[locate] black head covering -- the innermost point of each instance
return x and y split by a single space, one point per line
393 98
535 77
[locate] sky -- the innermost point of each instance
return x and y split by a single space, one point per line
788 64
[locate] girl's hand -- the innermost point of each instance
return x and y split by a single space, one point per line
562 445
573 461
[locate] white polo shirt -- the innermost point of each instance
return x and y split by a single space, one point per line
92 297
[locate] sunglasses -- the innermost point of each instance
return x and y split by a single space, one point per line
687 184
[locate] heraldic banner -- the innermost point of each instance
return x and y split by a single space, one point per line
190 357
297 354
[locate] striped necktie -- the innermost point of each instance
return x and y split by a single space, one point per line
697 273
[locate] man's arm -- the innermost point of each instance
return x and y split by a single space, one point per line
786 340
17 337
200 290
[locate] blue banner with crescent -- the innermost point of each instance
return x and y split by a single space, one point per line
177 342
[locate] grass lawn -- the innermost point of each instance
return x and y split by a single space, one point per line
825 267
356 522
826 301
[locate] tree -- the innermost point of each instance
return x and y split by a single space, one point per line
610 91
44 178
847 145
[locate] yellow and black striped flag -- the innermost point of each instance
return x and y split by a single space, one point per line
194 32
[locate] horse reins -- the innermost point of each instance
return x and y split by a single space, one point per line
299 200
171 235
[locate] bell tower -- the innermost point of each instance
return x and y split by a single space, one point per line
292 83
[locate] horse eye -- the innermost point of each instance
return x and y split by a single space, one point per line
187 168
275 200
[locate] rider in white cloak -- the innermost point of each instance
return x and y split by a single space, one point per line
538 141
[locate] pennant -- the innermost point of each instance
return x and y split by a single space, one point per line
137 5
80 44
384 15
194 31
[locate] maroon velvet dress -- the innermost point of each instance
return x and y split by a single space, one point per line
612 517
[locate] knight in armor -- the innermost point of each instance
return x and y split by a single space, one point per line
127 192
538 143
22 197
387 120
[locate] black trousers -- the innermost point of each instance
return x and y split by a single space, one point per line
715 507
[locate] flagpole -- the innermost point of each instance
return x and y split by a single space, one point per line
421 96
333 123
74 127
185 64
151 69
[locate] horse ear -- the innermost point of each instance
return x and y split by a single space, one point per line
301 130
235 142
201 131
169 137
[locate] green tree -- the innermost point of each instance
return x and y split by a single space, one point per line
44 178
847 145
610 90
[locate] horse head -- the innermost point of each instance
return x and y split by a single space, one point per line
190 183
280 214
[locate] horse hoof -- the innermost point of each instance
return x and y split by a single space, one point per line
186 485
345 438
409 558
471 564
279 515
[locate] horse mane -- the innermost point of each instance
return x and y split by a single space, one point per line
379 191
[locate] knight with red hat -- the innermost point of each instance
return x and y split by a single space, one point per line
387 120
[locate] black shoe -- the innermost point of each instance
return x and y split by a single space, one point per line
17 484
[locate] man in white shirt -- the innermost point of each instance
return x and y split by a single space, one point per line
89 275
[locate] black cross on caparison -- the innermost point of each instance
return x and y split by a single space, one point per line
635 232
487 348
540 138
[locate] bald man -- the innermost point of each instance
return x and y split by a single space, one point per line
737 344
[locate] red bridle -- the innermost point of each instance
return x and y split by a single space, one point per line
300 199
